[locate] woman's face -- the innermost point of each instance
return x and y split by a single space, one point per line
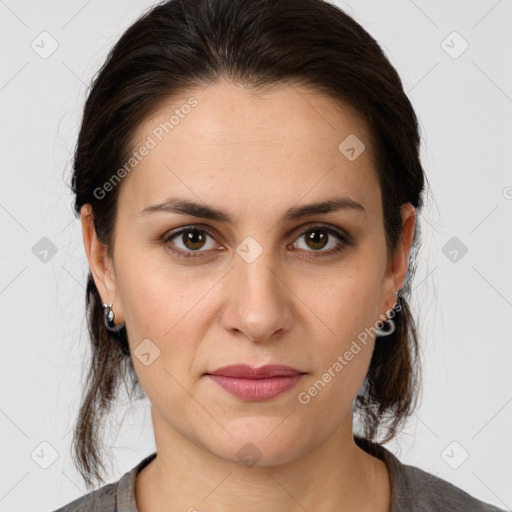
266 285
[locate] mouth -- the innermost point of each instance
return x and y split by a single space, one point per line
256 384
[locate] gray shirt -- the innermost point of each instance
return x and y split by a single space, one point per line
412 490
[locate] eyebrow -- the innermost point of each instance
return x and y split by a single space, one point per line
186 207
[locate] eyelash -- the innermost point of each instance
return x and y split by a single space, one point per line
344 241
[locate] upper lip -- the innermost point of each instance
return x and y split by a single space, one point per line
250 372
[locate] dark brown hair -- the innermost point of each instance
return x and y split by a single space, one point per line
183 44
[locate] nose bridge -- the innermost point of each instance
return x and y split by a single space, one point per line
256 267
258 291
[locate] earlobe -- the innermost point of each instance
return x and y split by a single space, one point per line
99 261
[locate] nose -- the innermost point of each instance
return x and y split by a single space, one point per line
258 303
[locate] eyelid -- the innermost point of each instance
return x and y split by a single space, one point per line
344 237
329 228
166 238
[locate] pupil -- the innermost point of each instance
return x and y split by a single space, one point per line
317 239
189 237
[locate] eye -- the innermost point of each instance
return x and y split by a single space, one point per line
189 242
319 237
192 240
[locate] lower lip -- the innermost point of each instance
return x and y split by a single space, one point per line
257 389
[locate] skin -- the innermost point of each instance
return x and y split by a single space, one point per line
255 156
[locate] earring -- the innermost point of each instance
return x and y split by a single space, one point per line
108 319
388 327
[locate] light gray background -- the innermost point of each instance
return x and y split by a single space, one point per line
464 307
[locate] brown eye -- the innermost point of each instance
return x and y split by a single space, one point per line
193 239
318 238
188 241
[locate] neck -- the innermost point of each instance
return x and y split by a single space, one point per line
336 475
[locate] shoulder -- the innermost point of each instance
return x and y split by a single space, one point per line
114 497
99 500
426 492
413 489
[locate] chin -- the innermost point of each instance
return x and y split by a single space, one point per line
256 442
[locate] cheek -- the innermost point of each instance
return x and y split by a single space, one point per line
156 297
342 362
344 305
161 313
169 307
343 338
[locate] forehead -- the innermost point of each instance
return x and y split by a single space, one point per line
228 113
226 142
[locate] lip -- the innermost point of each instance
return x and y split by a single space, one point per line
256 384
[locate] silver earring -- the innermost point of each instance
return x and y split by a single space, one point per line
108 319
388 327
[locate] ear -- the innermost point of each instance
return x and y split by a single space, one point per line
101 265
398 264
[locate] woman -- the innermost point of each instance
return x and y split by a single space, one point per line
248 180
